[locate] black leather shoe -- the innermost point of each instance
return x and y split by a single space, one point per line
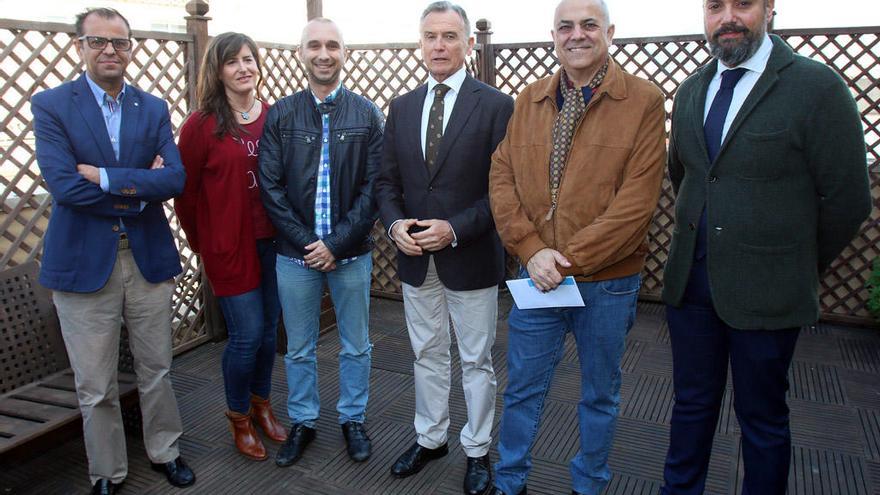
478 478
104 487
292 448
414 459
176 471
356 441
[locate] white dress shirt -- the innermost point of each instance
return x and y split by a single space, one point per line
755 66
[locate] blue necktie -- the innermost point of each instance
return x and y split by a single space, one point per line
713 129
714 126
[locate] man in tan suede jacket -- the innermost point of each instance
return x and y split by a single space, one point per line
573 188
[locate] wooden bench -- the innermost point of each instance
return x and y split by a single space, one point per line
37 392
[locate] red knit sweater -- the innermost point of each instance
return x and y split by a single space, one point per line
220 208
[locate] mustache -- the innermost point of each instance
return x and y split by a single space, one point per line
728 29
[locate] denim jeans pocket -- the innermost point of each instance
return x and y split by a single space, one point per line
623 286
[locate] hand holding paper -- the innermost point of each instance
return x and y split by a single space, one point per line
527 296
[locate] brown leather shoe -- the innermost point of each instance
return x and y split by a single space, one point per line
246 440
263 416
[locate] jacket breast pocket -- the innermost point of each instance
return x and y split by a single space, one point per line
297 137
343 136
763 155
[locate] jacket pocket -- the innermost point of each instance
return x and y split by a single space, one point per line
355 135
768 278
763 155
299 137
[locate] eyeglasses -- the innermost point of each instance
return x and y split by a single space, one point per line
99 42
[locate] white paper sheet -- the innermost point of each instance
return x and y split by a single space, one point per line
527 296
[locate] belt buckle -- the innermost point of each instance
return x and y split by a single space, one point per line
123 241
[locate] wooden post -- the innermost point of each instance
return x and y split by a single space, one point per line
314 8
487 52
197 26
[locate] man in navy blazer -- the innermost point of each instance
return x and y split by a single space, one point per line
108 156
433 198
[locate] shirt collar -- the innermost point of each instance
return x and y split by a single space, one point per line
454 81
756 63
586 91
99 92
330 97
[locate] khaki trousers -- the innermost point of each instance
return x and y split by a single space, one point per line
90 325
474 314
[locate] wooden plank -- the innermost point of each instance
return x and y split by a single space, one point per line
45 395
14 427
35 410
60 381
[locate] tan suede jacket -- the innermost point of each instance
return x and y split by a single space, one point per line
610 185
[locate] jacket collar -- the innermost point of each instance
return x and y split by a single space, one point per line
614 85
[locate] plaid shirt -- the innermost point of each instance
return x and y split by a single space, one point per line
323 228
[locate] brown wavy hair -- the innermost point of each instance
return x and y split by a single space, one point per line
210 92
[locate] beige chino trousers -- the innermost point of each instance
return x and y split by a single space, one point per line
90 325
474 314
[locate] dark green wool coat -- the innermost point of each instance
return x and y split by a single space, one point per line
787 192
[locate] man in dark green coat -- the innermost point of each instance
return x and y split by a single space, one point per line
767 159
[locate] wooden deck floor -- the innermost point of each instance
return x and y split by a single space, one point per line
834 398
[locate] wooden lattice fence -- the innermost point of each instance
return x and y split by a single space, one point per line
34 56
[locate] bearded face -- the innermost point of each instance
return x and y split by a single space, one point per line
735 29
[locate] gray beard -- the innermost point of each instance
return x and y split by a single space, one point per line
733 54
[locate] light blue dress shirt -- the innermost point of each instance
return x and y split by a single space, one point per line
111 109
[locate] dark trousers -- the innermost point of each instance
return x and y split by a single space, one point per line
702 347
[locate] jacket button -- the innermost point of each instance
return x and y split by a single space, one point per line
430 188
712 178
115 228
692 226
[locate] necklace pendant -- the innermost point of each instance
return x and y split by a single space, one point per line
245 115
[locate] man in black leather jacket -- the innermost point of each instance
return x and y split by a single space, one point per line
319 155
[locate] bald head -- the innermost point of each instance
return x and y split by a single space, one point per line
322 51
566 5
321 25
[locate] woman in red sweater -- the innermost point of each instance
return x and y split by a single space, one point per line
221 212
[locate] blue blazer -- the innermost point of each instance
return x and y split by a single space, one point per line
79 248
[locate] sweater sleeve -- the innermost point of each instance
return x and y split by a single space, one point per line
194 153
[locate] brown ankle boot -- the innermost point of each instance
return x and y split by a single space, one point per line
263 416
246 440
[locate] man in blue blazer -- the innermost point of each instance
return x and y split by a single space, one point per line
108 156
767 159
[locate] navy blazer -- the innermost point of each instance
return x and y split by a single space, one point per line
458 188
79 249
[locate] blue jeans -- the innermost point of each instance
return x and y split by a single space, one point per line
535 346
252 323
300 289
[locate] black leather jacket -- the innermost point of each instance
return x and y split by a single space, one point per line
290 150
